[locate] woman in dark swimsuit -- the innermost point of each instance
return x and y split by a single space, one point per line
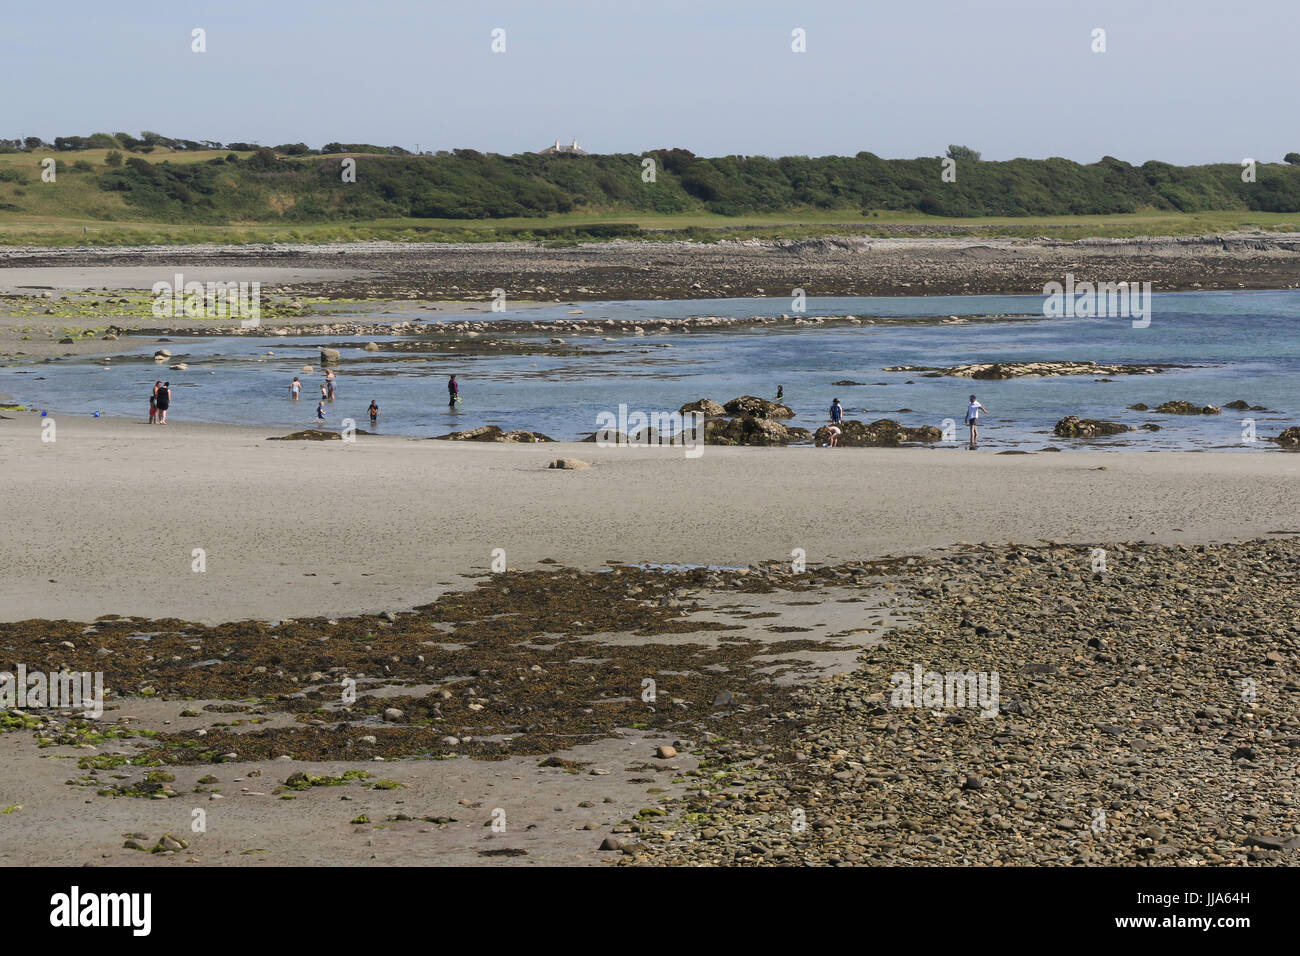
164 400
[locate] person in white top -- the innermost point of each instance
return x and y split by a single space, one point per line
972 419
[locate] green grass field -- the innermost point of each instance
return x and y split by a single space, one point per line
76 212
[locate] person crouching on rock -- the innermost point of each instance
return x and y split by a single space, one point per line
832 436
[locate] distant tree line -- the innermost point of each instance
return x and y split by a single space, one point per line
293 183
148 141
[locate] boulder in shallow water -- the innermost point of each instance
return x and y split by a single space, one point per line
1290 438
884 433
1187 408
757 407
329 356
707 406
370 347
1072 426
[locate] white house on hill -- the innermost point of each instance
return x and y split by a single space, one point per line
561 148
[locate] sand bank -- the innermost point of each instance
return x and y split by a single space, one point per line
106 519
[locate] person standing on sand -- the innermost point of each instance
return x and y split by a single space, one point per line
163 400
972 419
453 392
153 403
295 389
833 436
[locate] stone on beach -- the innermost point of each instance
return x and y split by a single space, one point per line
569 464
751 431
493 433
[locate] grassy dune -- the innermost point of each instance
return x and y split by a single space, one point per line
76 211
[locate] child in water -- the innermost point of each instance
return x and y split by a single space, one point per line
374 413
320 410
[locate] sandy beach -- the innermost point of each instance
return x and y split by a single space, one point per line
372 560
104 519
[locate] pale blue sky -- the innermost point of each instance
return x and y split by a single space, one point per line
1185 81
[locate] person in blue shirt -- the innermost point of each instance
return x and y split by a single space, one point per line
837 412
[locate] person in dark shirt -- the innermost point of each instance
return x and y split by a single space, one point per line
164 401
837 411
453 392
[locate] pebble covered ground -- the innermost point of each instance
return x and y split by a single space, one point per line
1149 713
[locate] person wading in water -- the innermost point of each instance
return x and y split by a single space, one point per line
972 419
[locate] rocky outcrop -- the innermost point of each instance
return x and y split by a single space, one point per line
609 437
493 433
1241 405
885 433
707 406
757 407
752 431
1074 427
1187 408
329 356
1290 438
1000 370
309 434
